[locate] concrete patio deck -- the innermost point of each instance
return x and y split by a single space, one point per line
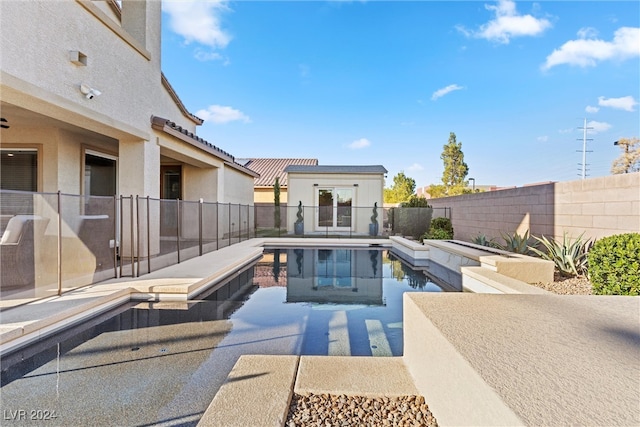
478 359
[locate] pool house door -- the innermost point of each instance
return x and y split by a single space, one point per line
334 208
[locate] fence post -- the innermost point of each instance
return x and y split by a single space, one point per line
121 232
248 222
137 236
115 236
229 215
133 267
217 225
178 228
200 225
59 245
255 223
148 237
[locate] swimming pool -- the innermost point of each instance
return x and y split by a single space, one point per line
162 363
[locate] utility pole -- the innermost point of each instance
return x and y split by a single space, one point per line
584 148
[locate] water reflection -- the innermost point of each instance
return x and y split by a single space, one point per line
341 276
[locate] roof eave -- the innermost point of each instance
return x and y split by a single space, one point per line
164 125
197 120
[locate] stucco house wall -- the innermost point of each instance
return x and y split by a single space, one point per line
265 195
49 49
40 93
236 182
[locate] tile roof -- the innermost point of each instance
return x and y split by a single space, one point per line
269 169
185 135
349 169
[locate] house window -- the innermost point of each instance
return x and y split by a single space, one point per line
19 169
334 207
100 174
170 190
171 182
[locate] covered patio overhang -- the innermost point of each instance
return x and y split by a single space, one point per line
24 104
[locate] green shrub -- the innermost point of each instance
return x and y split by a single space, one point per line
438 234
516 243
416 202
569 257
443 223
614 265
440 229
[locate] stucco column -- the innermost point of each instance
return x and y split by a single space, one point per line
139 175
139 168
199 183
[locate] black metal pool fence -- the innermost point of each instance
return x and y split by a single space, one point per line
55 242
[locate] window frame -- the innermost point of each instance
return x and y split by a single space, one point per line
28 147
92 151
334 191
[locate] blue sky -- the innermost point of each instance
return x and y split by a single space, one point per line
375 82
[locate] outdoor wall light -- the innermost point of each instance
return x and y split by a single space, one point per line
315 185
3 125
89 92
355 185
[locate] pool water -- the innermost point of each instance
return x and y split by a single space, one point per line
162 363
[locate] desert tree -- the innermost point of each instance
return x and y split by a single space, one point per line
455 171
402 189
629 159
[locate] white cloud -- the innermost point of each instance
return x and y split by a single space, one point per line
587 33
198 21
587 52
445 90
544 138
569 130
415 167
590 109
598 126
205 55
507 24
359 143
626 103
220 114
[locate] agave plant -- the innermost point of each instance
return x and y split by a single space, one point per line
516 243
483 240
570 257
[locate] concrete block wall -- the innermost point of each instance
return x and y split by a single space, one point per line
598 207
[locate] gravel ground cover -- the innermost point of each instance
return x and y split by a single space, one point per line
567 285
334 410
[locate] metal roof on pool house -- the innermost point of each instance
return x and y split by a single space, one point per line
342 169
